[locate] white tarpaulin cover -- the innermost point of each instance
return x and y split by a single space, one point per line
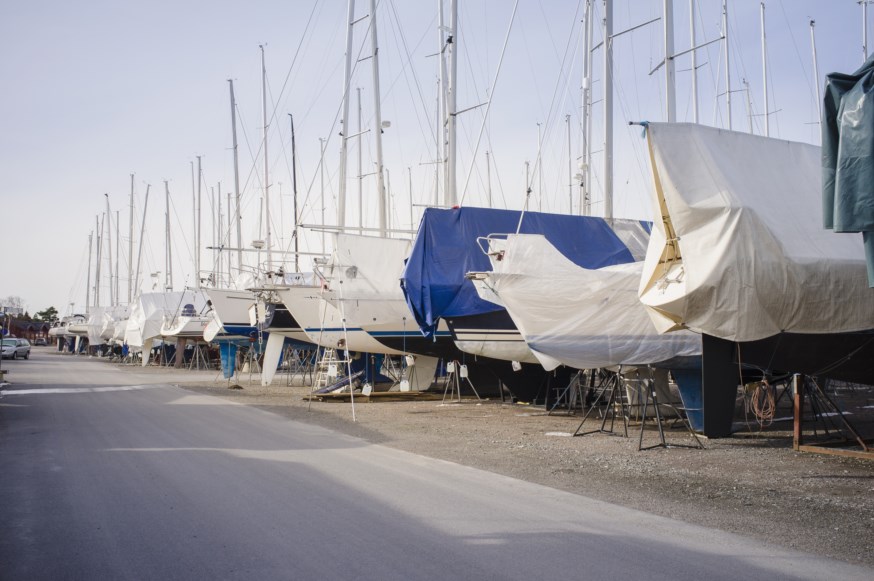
583 318
738 250
147 314
365 273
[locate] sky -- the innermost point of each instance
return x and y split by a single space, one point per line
95 91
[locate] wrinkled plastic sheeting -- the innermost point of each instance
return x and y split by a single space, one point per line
848 156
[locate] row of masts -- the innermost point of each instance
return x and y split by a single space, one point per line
446 142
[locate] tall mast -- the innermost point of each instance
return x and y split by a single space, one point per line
608 109
230 274
587 156
670 84
765 72
168 255
294 191
142 235
815 72
694 62
130 245
117 257
216 234
88 278
488 180
98 246
584 105
727 67
570 168
238 217
266 174
347 80
322 185
450 193
108 238
864 4
360 176
377 112
441 107
197 225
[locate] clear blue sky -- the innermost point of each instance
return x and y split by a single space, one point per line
97 90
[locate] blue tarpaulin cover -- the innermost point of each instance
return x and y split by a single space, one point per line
446 249
848 156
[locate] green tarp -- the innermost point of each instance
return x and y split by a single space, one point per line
848 156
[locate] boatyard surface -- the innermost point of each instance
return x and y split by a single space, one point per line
752 484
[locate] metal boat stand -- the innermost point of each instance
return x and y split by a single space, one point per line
611 389
650 395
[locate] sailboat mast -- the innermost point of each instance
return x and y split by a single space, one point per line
452 45
587 155
238 217
815 72
130 244
294 191
765 72
168 255
108 238
197 225
266 171
727 61
117 257
360 176
608 109
670 83
694 62
88 278
99 246
584 106
142 233
347 80
377 113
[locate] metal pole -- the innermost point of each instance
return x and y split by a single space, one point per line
88 278
570 168
694 62
98 246
168 277
360 176
347 79
130 245
238 217
864 4
749 105
537 166
294 191
117 257
727 67
670 80
140 246
269 238
410 179
489 178
584 104
608 109
108 238
230 274
450 193
197 225
590 35
377 112
815 72
322 187
765 72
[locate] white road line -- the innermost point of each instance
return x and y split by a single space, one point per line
52 390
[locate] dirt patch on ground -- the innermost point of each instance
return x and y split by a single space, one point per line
753 485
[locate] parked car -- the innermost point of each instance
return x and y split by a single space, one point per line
16 349
40 342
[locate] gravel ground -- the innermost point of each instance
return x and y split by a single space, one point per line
753 485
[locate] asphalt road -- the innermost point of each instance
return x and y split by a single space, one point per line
104 480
